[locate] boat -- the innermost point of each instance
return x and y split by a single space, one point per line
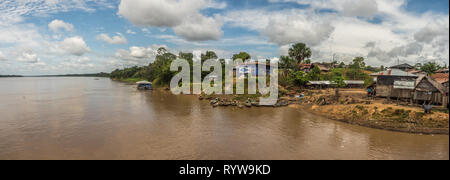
144 85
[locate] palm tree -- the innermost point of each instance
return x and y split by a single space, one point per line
300 52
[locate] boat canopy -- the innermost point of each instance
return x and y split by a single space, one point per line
144 83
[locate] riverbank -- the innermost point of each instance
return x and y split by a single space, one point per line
353 107
128 80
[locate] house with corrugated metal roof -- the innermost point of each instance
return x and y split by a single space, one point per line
394 83
403 67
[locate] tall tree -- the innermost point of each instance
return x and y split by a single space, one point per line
430 68
287 62
162 51
358 63
242 55
208 55
300 52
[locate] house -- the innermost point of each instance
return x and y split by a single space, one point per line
309 67
442 78
403 67
428 90
417 72
251 68
442 71
394 83
306 67
403 89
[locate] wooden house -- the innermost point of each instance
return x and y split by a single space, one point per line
429 90
253 69
394 83
442 70
443 79
403 67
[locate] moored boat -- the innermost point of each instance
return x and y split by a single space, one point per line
144 85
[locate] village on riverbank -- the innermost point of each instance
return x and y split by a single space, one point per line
403 97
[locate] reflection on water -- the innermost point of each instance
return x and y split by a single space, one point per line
81 118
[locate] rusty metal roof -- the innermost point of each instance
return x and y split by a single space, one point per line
404 85
394 72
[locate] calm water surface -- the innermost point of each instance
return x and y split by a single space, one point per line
84 118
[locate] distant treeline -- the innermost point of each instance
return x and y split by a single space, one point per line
291 74
3 76
102 74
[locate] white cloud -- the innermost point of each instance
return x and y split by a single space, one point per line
129 31
119 39
365 8
296 27
143 55
56 25
168 13
2 57
200 28
344 34
284 27
26 55
182 15
83 60
75 46
361 8
431 32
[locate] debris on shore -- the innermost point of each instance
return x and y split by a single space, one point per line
353 107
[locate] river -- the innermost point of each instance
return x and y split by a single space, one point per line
84 118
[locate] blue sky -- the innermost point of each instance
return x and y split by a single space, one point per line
86 36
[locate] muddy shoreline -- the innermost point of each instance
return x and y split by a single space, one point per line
354 111
382 126
317 102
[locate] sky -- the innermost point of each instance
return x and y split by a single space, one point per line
46 37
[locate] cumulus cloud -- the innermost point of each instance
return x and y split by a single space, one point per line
182 15
406 50
297 28
361 8
83 60
2 57
57 25
364 8
26 55
431 32
119 39
158 13
200 28
284 27
139 54
129 31
75 46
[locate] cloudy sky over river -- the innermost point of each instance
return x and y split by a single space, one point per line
84 36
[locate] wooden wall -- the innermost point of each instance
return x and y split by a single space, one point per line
385 87
425 91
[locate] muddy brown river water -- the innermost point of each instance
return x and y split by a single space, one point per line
84 118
